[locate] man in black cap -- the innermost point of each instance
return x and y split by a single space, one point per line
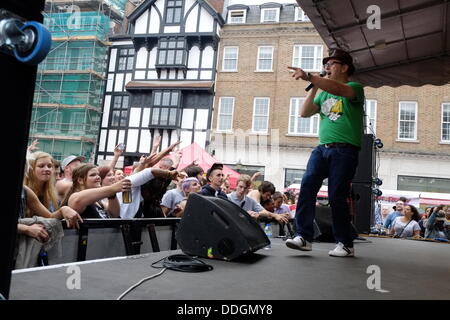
215 178
341 109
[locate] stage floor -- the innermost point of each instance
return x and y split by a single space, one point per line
407 270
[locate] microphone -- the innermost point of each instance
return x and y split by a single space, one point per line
322 74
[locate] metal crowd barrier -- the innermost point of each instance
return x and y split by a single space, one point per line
131 230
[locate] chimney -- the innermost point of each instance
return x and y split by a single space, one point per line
217 5
129 8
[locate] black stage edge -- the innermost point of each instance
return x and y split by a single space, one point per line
16 91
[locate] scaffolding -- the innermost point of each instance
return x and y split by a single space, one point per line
70 81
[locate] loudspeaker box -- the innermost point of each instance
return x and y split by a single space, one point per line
218 229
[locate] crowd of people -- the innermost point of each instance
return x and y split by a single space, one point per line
405 221
74 190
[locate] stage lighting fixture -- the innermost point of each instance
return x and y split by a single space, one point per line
377 192
377 181
378 143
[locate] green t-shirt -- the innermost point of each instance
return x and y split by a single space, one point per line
341 119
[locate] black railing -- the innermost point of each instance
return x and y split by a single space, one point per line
131 231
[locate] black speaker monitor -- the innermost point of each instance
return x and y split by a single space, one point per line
366 161
363 206
217 228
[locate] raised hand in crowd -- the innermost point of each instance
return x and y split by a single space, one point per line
256 175
33 146
147 162
177 159
156 145
153 159
118 151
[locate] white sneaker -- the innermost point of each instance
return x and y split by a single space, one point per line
298 243
342 251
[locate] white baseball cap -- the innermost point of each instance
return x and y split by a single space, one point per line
70 159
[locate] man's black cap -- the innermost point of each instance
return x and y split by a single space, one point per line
342 56
215 166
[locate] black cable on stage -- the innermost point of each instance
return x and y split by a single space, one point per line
183 263
176 262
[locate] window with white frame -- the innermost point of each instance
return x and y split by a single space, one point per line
237 16
370 108
261 115
445 122
308 57
230 58
300 15
407 120
270 15
299 125
225 117
265 58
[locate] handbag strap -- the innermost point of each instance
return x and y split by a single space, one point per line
404 228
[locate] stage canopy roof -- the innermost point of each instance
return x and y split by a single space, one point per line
411 46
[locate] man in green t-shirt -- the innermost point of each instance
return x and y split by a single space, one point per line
341 108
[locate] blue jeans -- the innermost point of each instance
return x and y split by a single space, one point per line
338 164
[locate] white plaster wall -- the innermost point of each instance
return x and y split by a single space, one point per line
187 5
155 22
208 57
172 29
106 105
206 21
152 58
112 60
131 145
118 86
191 21
111 143
392 166
194 57
160 4
141 58
102 143
144 145
141 24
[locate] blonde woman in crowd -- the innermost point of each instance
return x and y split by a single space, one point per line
40 177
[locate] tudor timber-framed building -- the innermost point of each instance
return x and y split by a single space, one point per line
161 77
